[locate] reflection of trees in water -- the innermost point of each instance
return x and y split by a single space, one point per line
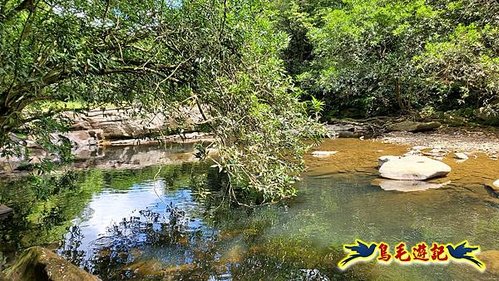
123 241
69 250
168 236
165 245
43 208
119 254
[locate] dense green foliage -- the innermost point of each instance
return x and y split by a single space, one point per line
387 57
222 56
245 64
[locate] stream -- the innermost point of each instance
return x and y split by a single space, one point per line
168 222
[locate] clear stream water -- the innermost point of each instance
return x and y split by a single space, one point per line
168 224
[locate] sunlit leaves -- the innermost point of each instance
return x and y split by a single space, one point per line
383 57
223 56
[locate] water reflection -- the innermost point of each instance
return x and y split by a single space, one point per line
152 224
150 231
110 207
117 226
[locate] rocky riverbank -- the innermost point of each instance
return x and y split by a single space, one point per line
450 140
430 135
94 133
353 156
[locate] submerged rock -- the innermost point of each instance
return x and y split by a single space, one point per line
146 268
413 168
491 260
407 186
323 153
37 263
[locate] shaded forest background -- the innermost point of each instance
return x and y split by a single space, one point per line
378 57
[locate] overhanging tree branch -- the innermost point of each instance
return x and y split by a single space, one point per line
28 5
30 90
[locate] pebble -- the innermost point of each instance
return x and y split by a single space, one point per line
461 156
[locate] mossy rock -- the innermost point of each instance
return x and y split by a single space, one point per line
37 264
410 126
452 118
5 211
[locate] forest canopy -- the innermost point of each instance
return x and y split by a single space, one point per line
379 57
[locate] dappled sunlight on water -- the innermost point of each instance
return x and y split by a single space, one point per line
355 155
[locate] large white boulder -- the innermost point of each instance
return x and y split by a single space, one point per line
413 168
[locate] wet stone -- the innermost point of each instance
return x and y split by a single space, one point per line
413 168
407 186
460 156
38 263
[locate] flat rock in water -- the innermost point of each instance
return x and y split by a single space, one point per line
407 186
383 159
323 153
413 168
496 184
37 263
